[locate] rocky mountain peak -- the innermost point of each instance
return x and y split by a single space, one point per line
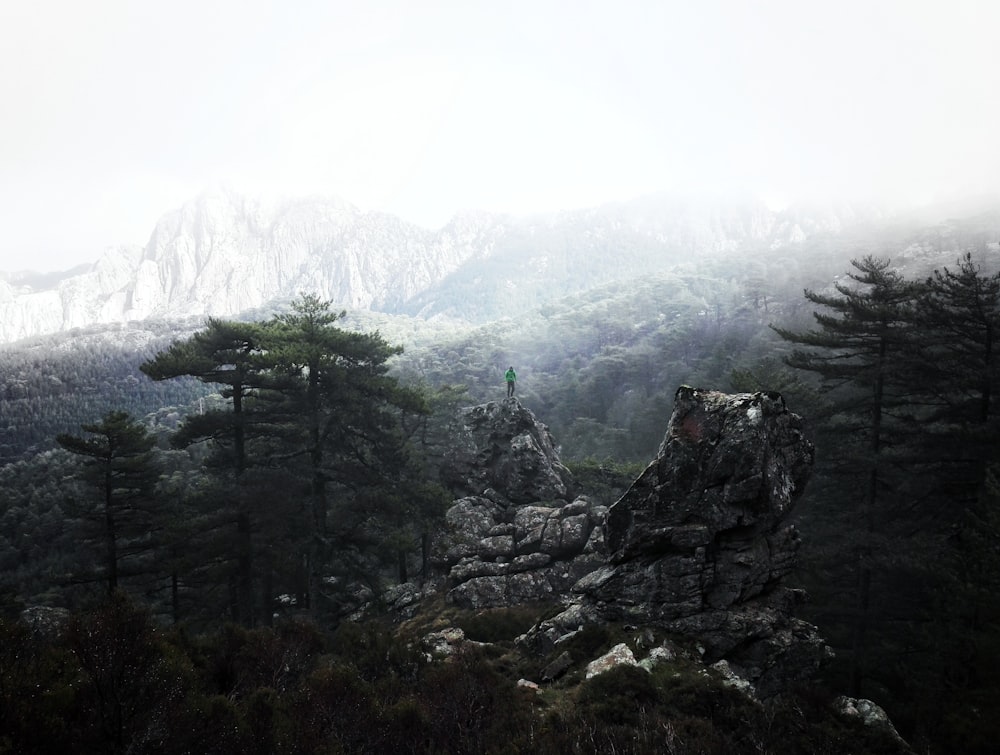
223 253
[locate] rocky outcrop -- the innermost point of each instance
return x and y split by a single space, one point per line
698 545
501 447
870 714
513 538
697 549
496 555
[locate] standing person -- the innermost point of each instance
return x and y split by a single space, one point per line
511 377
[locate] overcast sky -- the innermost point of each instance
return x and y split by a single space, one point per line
116 111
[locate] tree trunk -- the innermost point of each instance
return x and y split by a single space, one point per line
401 561
244 588
267 595
111 533
862 617
175 603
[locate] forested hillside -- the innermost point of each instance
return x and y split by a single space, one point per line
600 367
590 361
278 464
52 384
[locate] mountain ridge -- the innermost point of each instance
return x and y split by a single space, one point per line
223 253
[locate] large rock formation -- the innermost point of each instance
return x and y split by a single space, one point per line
698 545
514 538
496 555
500 446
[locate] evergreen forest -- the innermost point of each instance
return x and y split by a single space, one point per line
194 513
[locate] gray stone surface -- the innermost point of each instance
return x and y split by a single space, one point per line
699 545
501 446
514 538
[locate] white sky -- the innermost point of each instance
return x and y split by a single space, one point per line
113 112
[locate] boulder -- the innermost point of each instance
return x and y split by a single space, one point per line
869 713
699 546
542 551
620 655
501 446
559 665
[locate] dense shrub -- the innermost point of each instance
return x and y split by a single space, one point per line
618 696
114 683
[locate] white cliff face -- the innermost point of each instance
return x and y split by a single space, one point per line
223 253
96 295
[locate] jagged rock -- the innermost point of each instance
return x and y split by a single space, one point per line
507 589
731 679
467 522
547 635
620 654
656 656
47 621
404 599
515 539
443 643
869 713
698 544
557 667
501 446
729 465
644 639
544 550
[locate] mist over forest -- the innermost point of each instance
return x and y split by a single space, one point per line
896 379
490 378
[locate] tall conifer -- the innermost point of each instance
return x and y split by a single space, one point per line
856 351
119 465
225 353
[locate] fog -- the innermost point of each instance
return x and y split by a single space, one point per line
116 112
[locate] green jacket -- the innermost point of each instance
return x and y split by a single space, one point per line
510 376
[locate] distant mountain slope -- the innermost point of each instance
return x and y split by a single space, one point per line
599 365
223 254
541 258
53 383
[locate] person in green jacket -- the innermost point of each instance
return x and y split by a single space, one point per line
511 377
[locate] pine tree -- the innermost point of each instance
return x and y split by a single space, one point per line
341 421
959 366
225 353
314 446
856 351
118 464
229 354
